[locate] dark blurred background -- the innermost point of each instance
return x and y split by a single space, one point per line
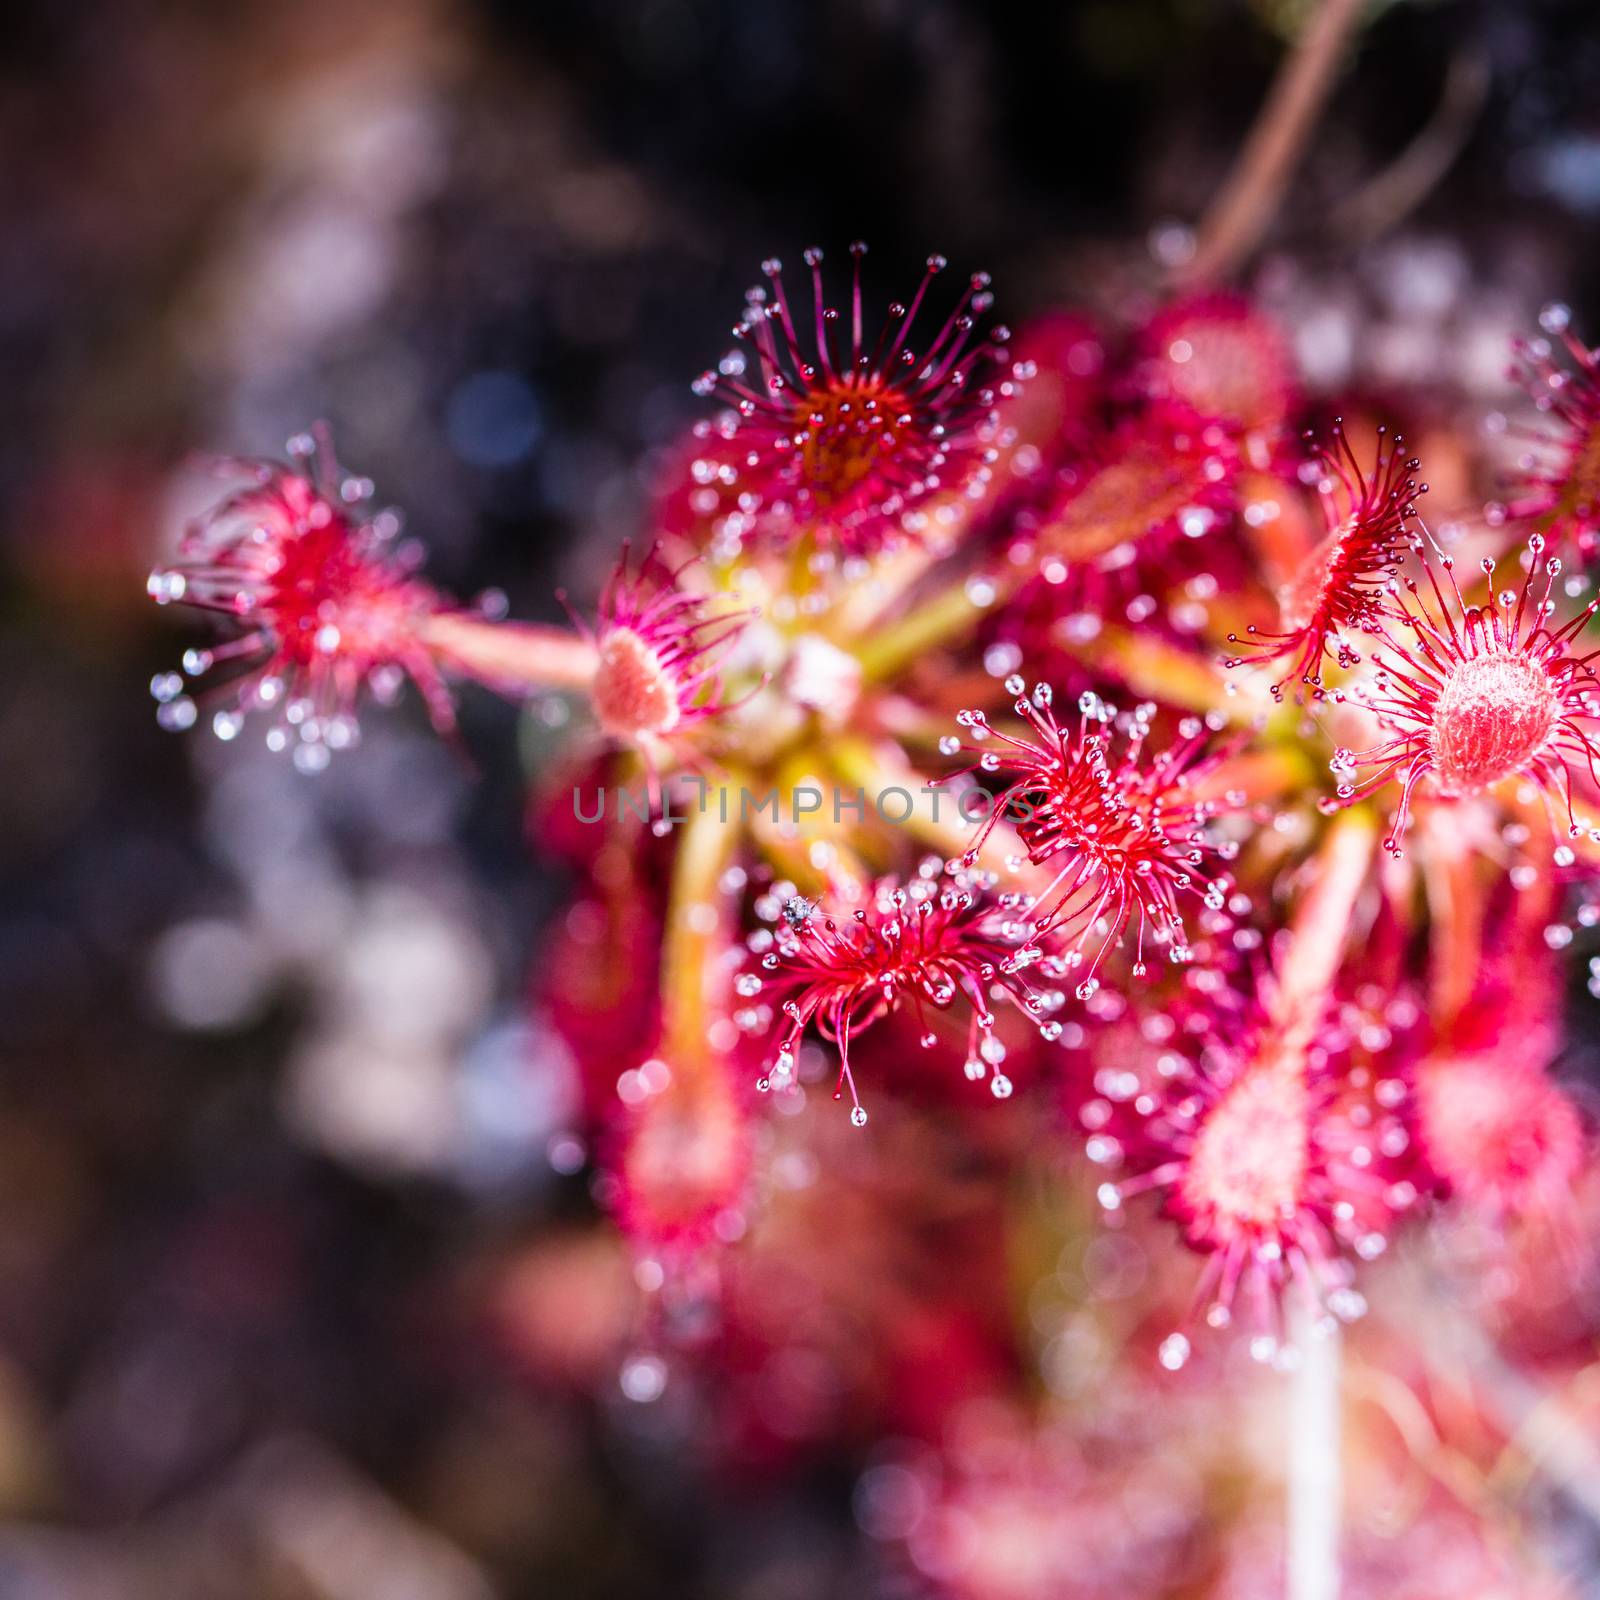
274 1110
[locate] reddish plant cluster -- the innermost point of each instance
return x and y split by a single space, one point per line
1158 908
1133 518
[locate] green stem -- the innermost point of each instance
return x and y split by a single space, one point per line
698 923
947 615
1245 205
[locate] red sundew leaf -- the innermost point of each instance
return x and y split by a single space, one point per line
1343 585
1217 356
660 648
843 438
1478 694
921 946
1559 489
1125 838
679 1156
327 605
1278 1168
1500 1138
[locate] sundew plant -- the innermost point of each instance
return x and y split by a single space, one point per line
1089 724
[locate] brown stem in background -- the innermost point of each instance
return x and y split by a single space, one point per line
1395 192
1243 208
